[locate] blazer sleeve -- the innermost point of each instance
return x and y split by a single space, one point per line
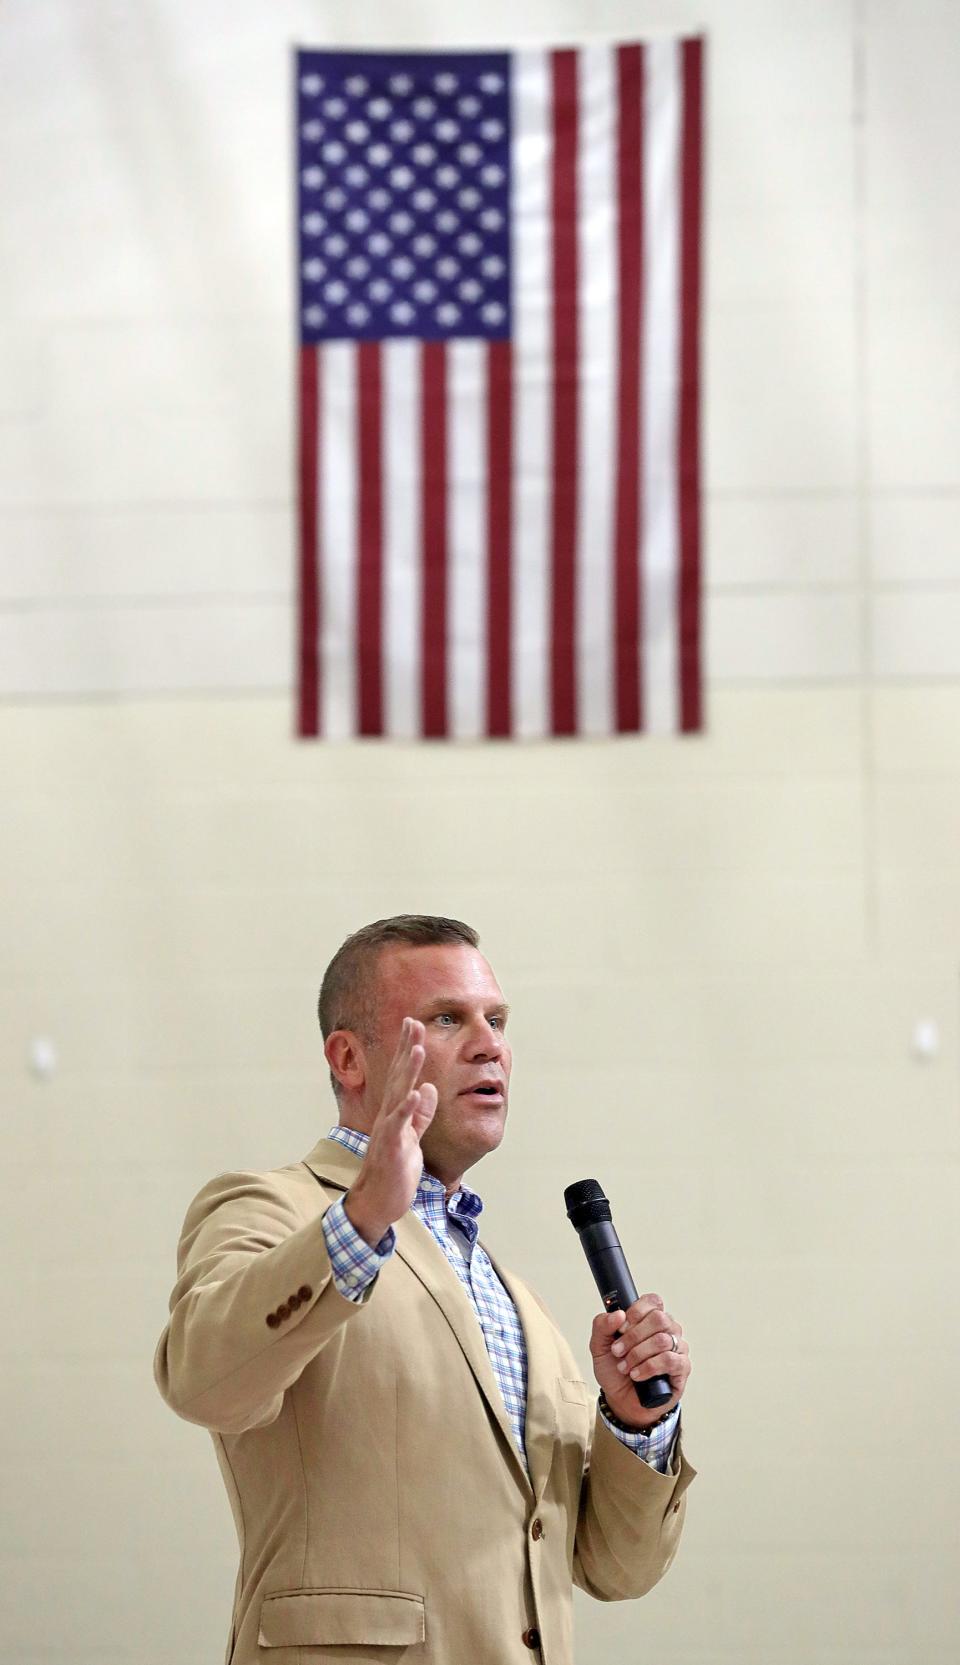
630 1518
244 1251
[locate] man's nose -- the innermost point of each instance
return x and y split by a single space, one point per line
485 1041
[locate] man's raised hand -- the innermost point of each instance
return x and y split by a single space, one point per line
387 1182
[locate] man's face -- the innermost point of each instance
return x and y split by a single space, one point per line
453 992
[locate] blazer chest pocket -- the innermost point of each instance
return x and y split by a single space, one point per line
573 1410
573 1390
323 1618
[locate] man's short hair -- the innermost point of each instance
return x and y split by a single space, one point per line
348 993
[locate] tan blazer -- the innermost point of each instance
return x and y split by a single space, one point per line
381 1505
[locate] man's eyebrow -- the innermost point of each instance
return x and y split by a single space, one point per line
451 1003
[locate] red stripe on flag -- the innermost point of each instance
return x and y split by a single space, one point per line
630 291
565 380
688 426
370 539
309 701
434 523
499 530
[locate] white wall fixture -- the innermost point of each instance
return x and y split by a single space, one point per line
43 1057
926 1039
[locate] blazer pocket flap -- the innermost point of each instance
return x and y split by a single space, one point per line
317 1618
574 1390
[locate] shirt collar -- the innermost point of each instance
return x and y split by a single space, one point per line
463 1206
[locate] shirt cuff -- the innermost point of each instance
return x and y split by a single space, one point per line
352 1261
655 1448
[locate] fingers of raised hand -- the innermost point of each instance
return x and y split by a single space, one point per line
412 1034
406 1065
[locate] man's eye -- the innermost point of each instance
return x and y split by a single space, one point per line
442 1016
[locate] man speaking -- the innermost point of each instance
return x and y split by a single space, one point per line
416 1469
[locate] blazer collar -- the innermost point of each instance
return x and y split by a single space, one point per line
335 1165
330 1160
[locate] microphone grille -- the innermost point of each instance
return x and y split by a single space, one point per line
585 1190
586 1203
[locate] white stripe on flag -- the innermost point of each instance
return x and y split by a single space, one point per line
661 236
467 548
530 651
338 539
597 261
401 539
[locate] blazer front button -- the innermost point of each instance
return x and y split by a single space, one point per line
536 1530
531 1637
305 1292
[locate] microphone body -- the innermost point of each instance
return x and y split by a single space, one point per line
589 1213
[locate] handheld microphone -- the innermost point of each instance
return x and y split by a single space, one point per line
589 1213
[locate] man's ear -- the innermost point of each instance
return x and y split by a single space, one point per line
344 1053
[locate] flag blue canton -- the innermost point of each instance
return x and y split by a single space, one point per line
404 195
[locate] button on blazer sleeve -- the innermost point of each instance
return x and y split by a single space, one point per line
253 1303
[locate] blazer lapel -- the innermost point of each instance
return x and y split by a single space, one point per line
333 1163
424 1256
541 1418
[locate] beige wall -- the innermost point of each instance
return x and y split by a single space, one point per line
717 949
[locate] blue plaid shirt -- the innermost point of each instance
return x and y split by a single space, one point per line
355 1264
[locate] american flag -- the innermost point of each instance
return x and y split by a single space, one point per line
499 295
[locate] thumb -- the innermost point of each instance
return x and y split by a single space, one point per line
424 1111
604 1332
